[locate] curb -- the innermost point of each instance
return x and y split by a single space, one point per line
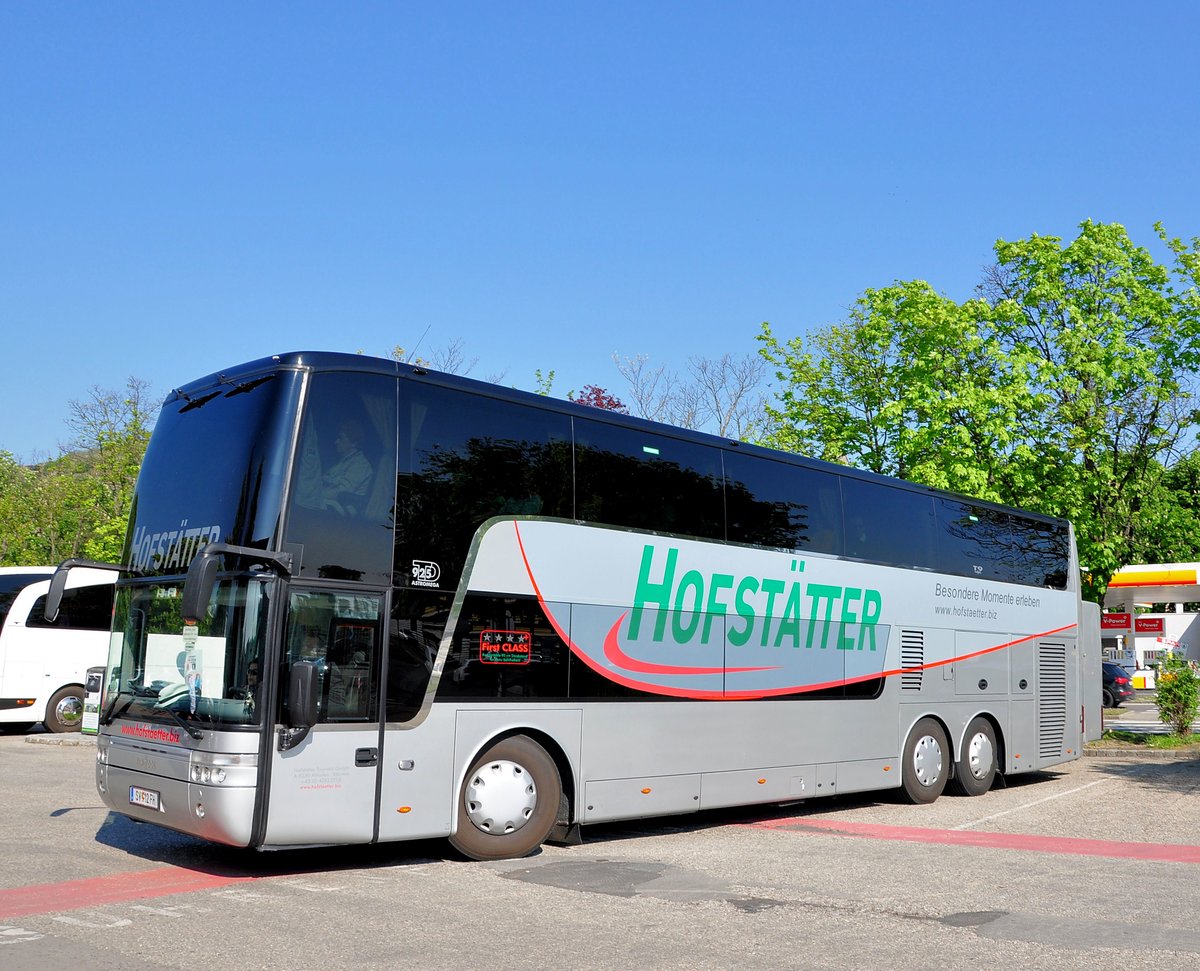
1145 753
71 739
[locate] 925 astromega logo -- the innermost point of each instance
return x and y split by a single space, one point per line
425 573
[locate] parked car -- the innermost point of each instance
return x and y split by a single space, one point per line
1118 686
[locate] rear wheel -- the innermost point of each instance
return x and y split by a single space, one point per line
975 769
508 802
64 713
1110 700
926 764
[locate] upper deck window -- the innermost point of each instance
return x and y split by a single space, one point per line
344 488
635 478
466 458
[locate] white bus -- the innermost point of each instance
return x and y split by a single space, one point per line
43 663
362 602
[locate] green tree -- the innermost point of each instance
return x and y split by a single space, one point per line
910 384
1169 517
112 430
16 485
1110 348
1177 690
1065 386
78 503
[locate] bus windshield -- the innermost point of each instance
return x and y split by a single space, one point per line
214 472
162 670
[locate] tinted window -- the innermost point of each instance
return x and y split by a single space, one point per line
214 472
344 489
464 459
82 608
999 545
629 477
1042 555
785 506
418 620
339 633
504 648
12 584
885 524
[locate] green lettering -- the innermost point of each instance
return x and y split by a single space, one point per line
829 594
848 617
770 588
682 631
720 581
738 638
790 624
872 608
648 592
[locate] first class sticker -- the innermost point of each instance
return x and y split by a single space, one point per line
505 646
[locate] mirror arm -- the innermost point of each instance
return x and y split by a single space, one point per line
202 574
58 582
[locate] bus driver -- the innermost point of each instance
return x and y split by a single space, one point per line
345 485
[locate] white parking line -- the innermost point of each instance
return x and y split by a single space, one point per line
1036 802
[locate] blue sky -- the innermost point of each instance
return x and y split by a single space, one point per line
187 186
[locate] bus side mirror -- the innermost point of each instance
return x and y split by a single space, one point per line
302 694
198 587
58 584
302 704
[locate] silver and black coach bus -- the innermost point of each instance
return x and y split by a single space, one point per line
362 601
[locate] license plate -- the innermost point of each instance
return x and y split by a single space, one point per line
143 797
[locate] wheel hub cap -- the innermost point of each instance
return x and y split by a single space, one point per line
980 756
69 711
500 797
927 760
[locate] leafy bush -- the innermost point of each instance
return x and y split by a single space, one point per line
1178 693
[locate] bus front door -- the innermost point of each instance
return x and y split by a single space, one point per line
323 789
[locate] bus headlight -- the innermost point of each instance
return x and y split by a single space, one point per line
217 768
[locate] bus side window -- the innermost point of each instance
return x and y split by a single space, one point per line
340 635
634 478
782 506
349 683
886 524
82 608
345 479
466 458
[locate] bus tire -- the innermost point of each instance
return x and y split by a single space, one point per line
926 762
508 802
975 769
64 713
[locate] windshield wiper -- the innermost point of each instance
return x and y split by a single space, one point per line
109 714
194 732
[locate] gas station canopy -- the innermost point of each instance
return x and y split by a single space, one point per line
1153 583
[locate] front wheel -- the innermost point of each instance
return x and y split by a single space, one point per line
926 762
64 713
508 802
975 770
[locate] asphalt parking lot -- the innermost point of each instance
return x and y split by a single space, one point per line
1088 865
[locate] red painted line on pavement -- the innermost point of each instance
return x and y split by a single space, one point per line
1162 852
99 891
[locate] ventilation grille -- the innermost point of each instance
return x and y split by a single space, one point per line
1052 699
912 659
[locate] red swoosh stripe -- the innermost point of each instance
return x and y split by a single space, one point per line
613 651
